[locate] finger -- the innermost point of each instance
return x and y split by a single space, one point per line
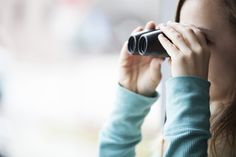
188 33
158 59
176 37
200 35
158 26
150 25
156 65
124 50
171 49
124 54
137 29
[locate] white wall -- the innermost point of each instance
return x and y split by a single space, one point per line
167 10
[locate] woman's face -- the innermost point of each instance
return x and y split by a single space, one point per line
211 18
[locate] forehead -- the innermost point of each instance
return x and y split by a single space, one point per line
203 13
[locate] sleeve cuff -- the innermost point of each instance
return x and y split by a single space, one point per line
187 103
131 101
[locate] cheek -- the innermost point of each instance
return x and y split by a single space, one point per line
221 72
223 61
215 66
223 55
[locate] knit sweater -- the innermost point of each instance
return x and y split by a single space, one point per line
186 130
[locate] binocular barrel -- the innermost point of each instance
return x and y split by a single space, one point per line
146 43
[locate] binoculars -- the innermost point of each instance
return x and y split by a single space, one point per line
146 43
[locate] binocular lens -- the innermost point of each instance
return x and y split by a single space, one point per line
143 46
131 44
146 44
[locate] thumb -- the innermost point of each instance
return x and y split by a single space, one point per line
156 63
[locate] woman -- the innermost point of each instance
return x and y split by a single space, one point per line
203 67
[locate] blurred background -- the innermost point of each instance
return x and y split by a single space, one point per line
58 73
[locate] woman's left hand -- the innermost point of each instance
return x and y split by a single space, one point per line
189 51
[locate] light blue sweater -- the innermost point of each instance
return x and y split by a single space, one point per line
186 130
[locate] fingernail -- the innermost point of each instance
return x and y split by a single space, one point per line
160 36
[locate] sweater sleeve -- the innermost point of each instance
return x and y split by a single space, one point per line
186 130
122 131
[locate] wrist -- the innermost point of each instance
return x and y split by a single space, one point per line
146 93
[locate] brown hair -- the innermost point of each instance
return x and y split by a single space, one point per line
223 122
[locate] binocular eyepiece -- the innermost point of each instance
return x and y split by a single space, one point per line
146 43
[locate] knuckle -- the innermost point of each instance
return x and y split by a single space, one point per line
198 33
173 31
170 45
178 36
194 27
189 30
170 29
189 52
198 48
182 58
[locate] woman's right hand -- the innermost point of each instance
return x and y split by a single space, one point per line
140 74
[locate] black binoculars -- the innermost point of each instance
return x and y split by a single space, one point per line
146 43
